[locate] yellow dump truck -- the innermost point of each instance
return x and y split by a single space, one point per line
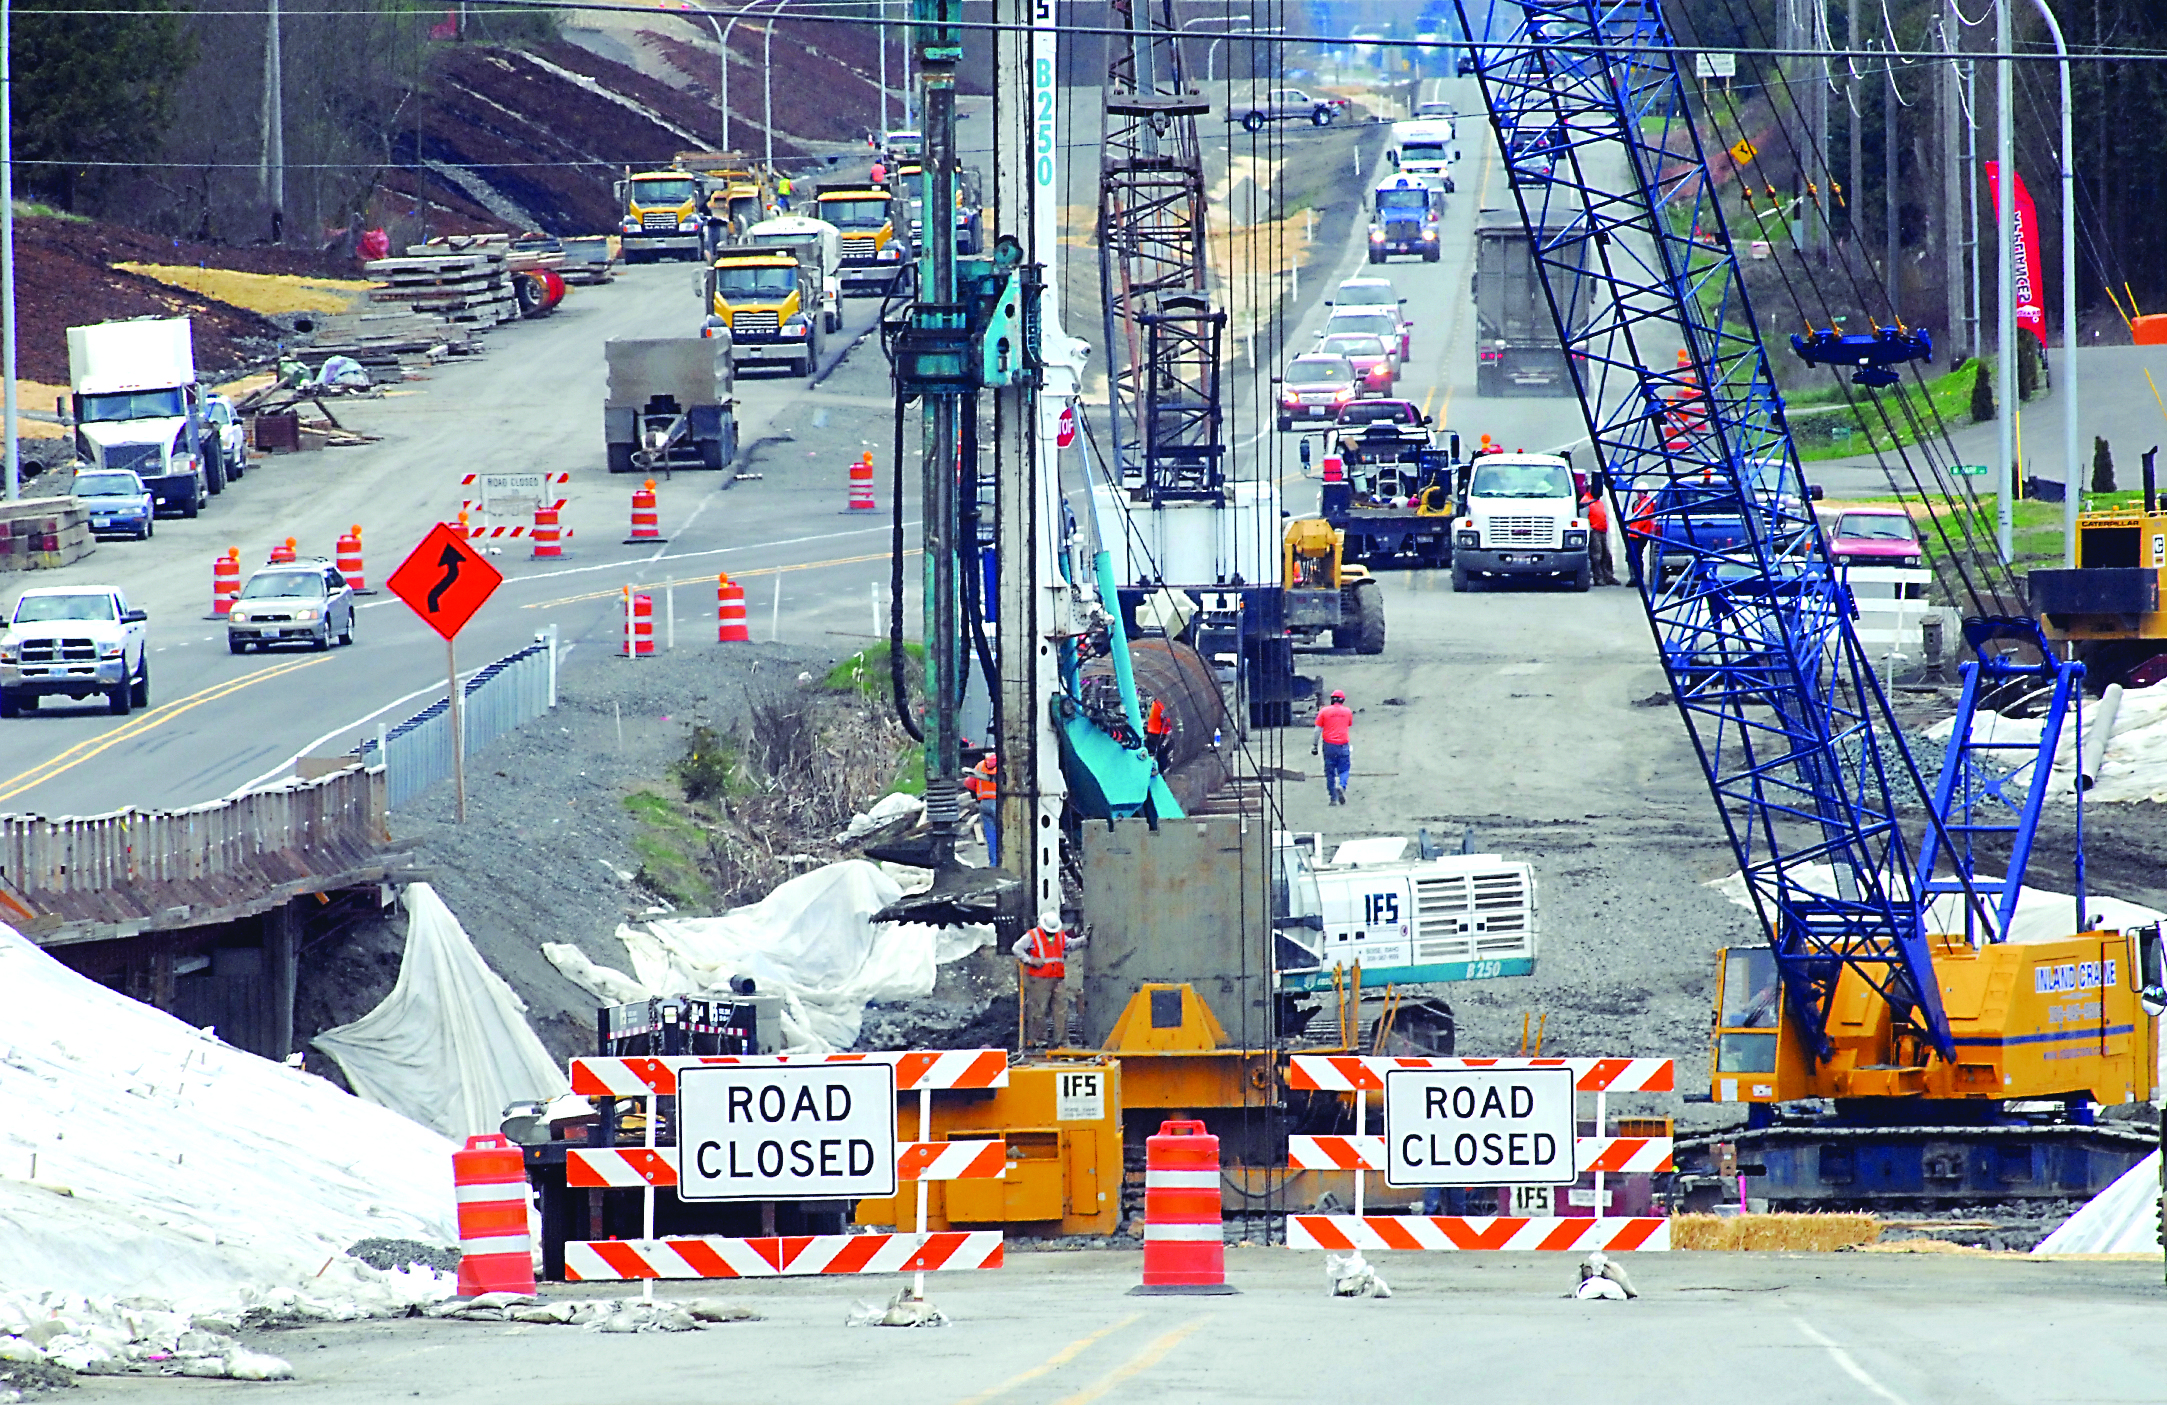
876 256
739 193
661 213
768 304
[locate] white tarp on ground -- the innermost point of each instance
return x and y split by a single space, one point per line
812 941
2122 1219
450 1046
2135 767
167 1163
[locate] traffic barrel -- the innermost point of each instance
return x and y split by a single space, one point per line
639 626
461 526
1335 469
1184 1245
548 536
225 582
861 485
730 626
349 559
646 522
489 1178
285 551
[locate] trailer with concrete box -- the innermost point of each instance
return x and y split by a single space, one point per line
671 404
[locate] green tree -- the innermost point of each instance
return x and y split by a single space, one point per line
2027 366
1982 396
2102 466
92 89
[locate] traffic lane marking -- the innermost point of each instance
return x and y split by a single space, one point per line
149 721
702 580
1136 1365
1848 1364
1052 1363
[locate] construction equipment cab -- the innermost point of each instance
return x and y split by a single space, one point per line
1404 218
1520 518
661 214
1388 485
769 306
2108 606
876 258
1325 595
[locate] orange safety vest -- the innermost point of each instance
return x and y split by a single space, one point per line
1050 948
979 780
1158 724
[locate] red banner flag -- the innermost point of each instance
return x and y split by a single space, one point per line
2030 316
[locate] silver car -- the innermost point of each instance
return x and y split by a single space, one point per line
300 602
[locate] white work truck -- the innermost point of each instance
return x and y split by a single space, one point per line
1409 920
1520 517
74 641
1424 147
136 406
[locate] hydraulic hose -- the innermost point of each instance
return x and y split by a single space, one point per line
899 683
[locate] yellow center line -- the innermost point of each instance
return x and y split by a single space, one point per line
702 580
1054 1362
157 717
1136 1365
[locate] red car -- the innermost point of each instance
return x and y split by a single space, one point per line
1875 536
1371 358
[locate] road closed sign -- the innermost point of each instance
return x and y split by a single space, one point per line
815 1131
1478 1126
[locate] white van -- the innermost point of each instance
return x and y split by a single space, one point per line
1424 147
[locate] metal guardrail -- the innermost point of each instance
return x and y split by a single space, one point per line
274 834
417 753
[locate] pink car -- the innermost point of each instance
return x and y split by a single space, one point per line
1875 536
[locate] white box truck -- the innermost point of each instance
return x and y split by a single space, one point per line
136 406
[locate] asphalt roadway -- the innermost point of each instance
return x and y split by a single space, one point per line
1813 1329
220 723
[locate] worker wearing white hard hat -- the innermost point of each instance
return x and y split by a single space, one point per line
1043 985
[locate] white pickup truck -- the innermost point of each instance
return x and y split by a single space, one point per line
74 641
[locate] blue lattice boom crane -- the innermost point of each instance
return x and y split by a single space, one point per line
1889 983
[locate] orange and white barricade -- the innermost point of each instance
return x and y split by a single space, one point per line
1364 1152
646 517
489 1177
716 1256
284 553
1184 1240
225 583
639 640
861 485
730 624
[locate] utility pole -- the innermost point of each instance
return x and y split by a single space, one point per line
274 127
1892 231
2005 228
1854 190
7 248
1972 246
1952 179
1823 236
2065 380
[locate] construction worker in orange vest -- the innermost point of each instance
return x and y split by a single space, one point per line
1043 951
1158 732
1598 514
983 781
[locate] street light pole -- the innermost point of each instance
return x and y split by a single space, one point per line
722 47
7 246
2065 384
2005 217
767 90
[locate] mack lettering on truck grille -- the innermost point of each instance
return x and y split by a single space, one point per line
666 222
860 246
754 324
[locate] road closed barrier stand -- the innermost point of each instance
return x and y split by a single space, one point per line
784 1128
1472 1123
